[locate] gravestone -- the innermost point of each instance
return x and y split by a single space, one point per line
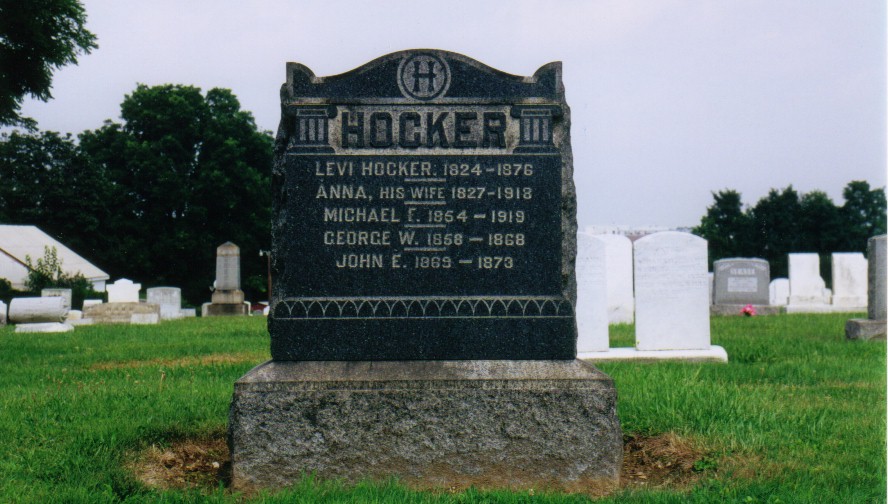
123 291
779 292
874 326
806 288
738 282
877 278
422 322
2 313
227 298
91 302
169 299
620 299
741 281
592 330
65 294
39 314
671 292
37 309
122 313
849 280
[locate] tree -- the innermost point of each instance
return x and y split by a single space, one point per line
47 182
774 221
189 172
819 224
863 214
37 37
726 227
784 221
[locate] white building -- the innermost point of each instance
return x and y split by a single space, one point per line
19 242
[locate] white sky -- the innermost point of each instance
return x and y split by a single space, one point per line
670 99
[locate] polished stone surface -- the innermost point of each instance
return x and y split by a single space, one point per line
424 208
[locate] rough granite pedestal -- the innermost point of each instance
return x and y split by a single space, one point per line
432 424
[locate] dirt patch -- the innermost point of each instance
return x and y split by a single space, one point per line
198 360
191 463
664 461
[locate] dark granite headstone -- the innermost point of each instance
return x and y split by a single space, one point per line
422 323
424 208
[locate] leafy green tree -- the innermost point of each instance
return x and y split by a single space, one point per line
863 214
48 183
189 172
785 221
36 37
726 227
775 224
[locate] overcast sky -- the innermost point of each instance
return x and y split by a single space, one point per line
670 100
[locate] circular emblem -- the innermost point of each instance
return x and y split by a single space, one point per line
423 76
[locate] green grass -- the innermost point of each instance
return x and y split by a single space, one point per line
797 415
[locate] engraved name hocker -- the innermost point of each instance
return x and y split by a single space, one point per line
312 127
420 78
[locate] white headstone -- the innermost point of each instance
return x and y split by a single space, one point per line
2 313
169 299
671 292
779 291
592 333
37 309
65 294
189 312
849 280
91 302
806 287
123 291
711 287
74 315
620 299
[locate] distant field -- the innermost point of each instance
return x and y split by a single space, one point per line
797 415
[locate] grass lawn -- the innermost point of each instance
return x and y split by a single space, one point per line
797 415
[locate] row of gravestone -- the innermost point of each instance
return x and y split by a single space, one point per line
51 312
671 298
124 306
671 303
740 281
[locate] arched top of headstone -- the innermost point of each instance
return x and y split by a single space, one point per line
228 248
422 75
670 237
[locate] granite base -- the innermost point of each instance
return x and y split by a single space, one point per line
225 310
44 327
824 308
865 329
431 424
712 354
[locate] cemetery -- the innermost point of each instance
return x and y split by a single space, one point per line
458 347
